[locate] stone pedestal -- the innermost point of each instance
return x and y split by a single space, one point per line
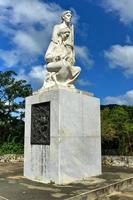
72 151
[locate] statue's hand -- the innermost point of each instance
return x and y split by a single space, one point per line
49 58
70 60
58 58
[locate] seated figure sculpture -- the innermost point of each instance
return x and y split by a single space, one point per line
60 55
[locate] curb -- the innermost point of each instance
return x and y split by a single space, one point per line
101 192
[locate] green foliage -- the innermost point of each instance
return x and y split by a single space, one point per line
11 148
117 129
12 101
108 131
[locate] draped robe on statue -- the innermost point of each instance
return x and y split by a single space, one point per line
60 56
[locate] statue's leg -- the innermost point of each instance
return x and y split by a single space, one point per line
53 66
75 71
64 73
59 71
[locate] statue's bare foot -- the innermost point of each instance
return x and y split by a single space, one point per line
71 86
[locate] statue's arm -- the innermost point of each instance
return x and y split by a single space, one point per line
72 36
55 34
50 53
73 44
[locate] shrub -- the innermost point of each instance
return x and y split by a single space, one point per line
11 148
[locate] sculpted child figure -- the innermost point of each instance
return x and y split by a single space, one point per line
60 55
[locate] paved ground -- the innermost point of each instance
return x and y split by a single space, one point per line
13 186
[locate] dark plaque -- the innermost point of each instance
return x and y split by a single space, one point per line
40 123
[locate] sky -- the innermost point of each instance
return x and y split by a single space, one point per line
103 43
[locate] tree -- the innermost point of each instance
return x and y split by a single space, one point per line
119 117
108 131
12 94
117 128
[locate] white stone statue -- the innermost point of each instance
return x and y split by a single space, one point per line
60 55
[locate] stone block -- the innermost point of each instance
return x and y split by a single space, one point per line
75 143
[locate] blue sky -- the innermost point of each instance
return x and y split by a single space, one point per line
103 43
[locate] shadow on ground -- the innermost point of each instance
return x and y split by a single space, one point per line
14 186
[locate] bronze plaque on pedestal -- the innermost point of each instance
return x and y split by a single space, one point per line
40 123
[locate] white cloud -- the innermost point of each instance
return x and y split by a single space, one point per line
122 8
22 75
36 75
9 58
128 39
82 53
28 25
83 82
30 11
121 57
26 42
126 99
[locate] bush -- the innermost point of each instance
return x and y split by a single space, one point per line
11 148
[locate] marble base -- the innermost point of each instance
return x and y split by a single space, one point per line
75 142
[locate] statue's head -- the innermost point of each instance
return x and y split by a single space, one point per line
64 33
66 16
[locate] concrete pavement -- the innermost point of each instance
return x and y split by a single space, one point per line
13 186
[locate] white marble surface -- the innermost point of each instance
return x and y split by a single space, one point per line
60 55
75 142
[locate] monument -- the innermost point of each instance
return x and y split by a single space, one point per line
62 123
